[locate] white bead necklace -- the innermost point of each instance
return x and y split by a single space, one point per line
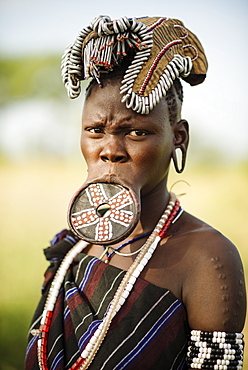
120 296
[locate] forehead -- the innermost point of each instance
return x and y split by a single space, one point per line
105 102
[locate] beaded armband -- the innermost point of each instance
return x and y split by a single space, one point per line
215 350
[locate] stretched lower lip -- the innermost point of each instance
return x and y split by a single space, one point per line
113 175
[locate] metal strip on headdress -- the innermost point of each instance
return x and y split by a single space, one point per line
163 51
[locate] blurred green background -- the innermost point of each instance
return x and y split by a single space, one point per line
40 162
36 187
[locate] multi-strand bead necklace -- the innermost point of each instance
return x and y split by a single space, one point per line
117 250
108 255
122 293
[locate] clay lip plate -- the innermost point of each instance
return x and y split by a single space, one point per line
103 213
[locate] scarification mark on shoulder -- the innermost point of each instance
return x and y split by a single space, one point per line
215 259
226 321
224 287
225 310
218 266
225 297
241 282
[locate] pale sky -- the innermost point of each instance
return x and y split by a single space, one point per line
216 110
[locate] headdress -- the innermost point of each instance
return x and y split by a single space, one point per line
162 49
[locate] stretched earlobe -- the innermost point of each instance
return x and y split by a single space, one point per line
181 132
179 155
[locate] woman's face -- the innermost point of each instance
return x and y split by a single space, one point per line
120 145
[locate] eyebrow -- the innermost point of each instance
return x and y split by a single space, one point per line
124 122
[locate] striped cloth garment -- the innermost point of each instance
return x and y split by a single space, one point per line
149 332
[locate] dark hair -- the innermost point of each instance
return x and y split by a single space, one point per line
174 95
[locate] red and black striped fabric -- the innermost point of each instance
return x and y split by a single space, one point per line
149 332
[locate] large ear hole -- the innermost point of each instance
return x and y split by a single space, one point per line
181 134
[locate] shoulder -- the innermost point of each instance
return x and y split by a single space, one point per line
213 289
208 244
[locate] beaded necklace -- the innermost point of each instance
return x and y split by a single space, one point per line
108 255
116 250
118 300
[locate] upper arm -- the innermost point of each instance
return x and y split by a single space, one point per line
214 290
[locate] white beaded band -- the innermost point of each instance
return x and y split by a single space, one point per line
215 350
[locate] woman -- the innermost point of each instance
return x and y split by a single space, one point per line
137 283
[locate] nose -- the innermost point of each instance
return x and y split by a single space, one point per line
114 150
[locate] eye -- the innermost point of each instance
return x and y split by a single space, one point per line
94 130
137 133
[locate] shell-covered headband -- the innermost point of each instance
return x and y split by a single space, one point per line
162 49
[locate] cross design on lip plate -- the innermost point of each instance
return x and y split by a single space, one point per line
105 213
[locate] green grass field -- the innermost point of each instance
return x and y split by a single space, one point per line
34 198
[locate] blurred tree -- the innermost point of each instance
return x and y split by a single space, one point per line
26 77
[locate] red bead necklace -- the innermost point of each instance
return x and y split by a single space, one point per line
46 323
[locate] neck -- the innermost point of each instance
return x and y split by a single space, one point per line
153 205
